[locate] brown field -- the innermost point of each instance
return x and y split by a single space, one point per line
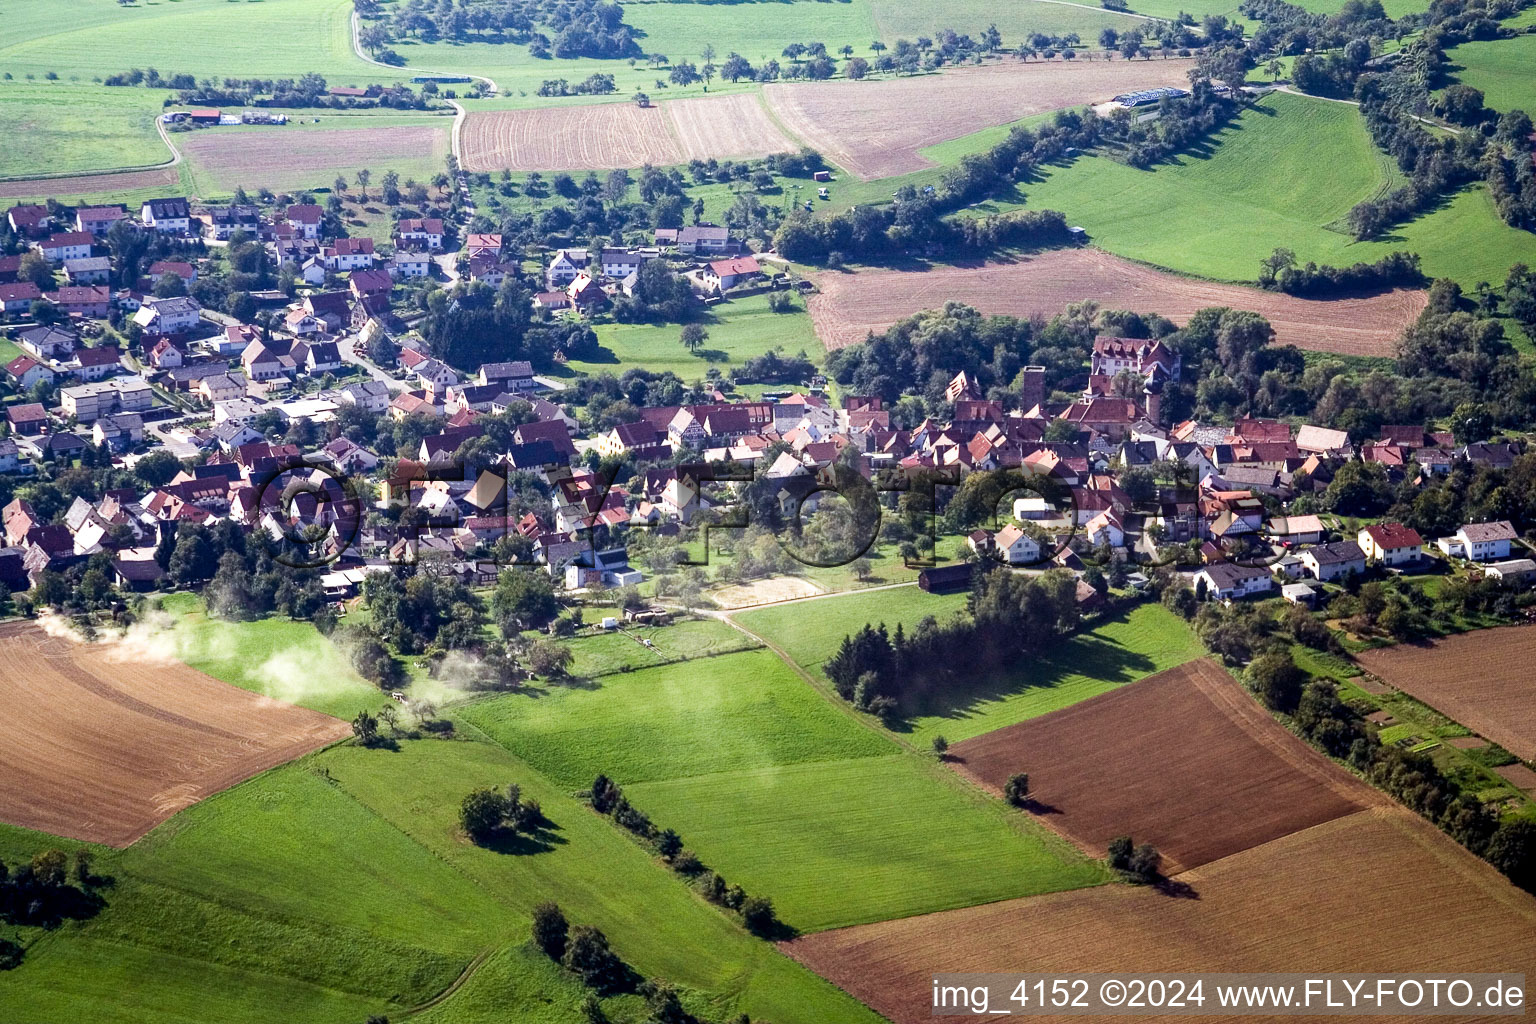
875 129
279 158
607 135
1184 760
89 184
850 305
103 745
1482 680
1376 891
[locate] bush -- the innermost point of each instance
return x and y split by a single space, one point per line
1277 681
550 930
1016 791
757 914
482 814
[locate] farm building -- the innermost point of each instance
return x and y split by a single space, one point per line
1516 572
945 579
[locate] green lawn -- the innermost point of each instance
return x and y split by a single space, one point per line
274 656
1284 175
735 711
810 632
912 18
1502 68
605 653
738 330
847 842
1117 651
59 127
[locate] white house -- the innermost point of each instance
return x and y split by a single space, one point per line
1333 561
1390 544
67 245
1016 547
419 233
168 216
1480 542
306 219
176 315
1228 581
407 265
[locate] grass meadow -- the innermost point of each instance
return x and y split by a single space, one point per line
734 711
59 127
606 653
738 330
810 633
1285 174
869 839
1501 68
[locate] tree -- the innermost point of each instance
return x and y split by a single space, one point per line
483 814
549 659
693 336
1275 69
1016 790
363 177
1109 39
588 956
878 47
856 68
940 746
366 728
1276 679
757 914
35 269
550 930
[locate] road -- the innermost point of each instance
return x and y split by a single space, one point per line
346 346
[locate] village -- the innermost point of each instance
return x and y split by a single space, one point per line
243 408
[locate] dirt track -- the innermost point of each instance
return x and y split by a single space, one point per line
850 305
875 128
1184 760
1482 680
1376 891
102 747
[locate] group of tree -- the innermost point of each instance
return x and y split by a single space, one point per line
756 912
549 28
1280 272
1139 864
492 816
41 893
1009 616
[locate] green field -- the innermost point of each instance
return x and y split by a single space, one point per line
1502 68
909 19
338 887
275 656
1289 169
607 653
809 633
218 38
848 842
58 127
735 711
738 330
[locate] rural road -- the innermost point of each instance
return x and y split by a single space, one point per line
165 137
346 346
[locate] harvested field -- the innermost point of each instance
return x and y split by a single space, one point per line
850 305
1518 775
280 158
105 743
1482 680
875 129
607 135
1466 742
89 184
1183 759
1356 893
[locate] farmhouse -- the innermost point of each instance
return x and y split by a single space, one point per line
1390 544
704 240
1479 542
727 274
1333 561
28 219
168 216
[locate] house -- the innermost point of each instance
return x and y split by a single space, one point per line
1295 530
490 271
120 432
318 357
419 233
24 372
513 375
168 216
349 457
408 265
301 324
179 268
585 293
617 264
10 456
98 220
221 222
89 402
305 219
1228 581
27 419
1299 593
262 362
478 244
28 219
1016 547
18 296
1322 441
88 270
66 245
88 300
347 254
98 362
1111 356
369 395
1106 528
1390 544
177 315
1334 561
139 575
47 343
704 240
221 387
638 437
312 271
1479 542
330 308
370 284
564 266
1516 572
727 274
